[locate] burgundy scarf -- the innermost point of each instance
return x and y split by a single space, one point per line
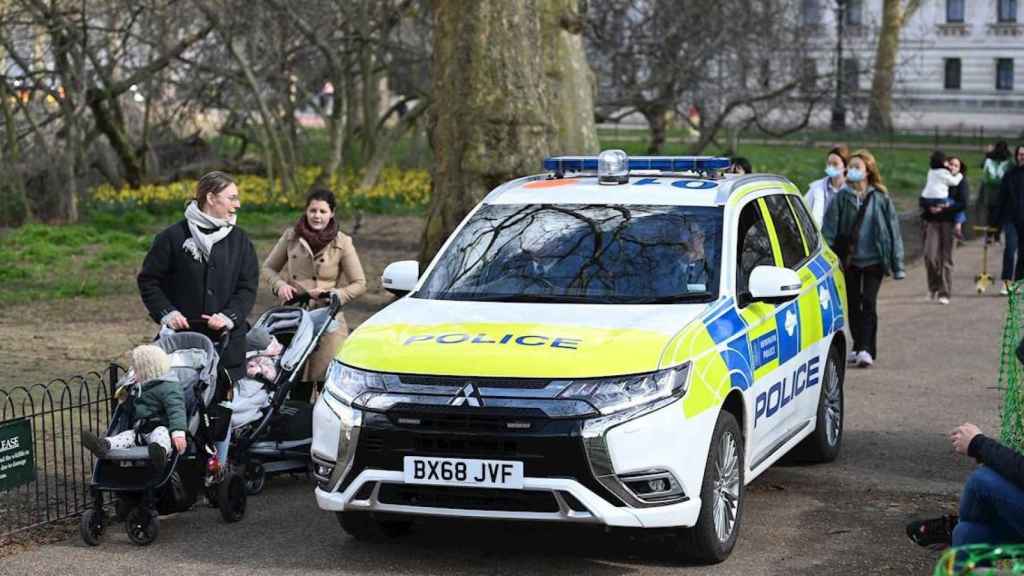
316 239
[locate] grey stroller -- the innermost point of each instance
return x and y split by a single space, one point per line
280 439
142 490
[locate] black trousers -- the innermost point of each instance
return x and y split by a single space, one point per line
862 286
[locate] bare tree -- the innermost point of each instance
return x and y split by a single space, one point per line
895 14
733 61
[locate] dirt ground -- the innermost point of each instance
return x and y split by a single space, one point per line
937 367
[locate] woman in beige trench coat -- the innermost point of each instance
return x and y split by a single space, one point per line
315 257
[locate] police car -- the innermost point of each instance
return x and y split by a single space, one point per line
619 341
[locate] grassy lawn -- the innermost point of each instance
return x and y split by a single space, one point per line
100 256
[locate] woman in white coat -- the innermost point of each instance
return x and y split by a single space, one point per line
821 192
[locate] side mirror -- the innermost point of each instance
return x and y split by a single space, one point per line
400 278
773 284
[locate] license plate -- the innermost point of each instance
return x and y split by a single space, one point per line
463 472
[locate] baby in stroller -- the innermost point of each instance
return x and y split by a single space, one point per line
159 410
261 368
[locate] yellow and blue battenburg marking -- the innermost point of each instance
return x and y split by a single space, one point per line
729 333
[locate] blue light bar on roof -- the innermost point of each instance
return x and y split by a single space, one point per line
563 164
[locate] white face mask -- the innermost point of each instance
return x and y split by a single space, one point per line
854 175
831 171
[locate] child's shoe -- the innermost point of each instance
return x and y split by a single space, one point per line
95 444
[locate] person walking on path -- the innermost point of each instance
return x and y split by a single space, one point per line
862 228
1011 215
316 257
204 267
997 163
821 192
941 202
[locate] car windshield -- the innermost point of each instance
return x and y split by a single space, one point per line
600 254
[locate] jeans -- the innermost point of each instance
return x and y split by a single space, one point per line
938 256
1010 254
862 286
991 510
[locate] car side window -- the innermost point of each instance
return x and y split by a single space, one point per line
754 248
806 224
791 243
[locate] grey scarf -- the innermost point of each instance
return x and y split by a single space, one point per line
201 243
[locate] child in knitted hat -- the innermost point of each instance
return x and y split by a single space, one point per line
159 410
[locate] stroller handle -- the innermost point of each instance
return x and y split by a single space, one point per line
304 299
202 325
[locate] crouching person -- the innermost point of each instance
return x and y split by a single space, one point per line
158 418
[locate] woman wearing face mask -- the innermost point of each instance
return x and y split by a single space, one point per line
204 268
821 192
314 256
862 228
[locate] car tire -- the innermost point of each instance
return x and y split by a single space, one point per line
712 539
365 526
823 444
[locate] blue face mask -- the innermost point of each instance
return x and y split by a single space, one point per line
832 171
854 175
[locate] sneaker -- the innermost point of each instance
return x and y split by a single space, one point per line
943 300
157 457
95 444
864 359
851 357
934 532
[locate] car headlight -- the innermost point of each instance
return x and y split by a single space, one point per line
611 395
352 386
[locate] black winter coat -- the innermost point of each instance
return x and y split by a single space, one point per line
1011 197
1006 461
171 279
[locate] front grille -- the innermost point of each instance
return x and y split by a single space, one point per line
468 498
465 420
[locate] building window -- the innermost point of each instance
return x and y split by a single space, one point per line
1004 74
955 11
811 12
952 74
1007 11
851 75
854 12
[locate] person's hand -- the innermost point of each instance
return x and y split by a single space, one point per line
179 444
285 293
177 322
935 209
215 322
962 436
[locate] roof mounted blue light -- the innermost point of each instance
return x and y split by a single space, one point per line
564 164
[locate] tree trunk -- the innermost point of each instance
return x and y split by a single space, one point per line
657 123
490 112
13 202
570 79
894 14
111 125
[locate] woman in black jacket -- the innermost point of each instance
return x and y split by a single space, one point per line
204 269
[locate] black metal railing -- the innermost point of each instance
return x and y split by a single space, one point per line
57 413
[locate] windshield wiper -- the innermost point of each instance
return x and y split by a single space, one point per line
530 298
689 297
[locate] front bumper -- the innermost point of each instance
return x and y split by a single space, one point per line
570 475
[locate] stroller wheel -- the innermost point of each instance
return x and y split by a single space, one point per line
255 478
231 497
142 526
91 526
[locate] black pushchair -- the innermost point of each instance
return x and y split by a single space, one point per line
279 439
144 491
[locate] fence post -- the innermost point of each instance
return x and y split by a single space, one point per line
113 376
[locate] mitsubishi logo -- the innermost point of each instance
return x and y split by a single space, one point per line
467 396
